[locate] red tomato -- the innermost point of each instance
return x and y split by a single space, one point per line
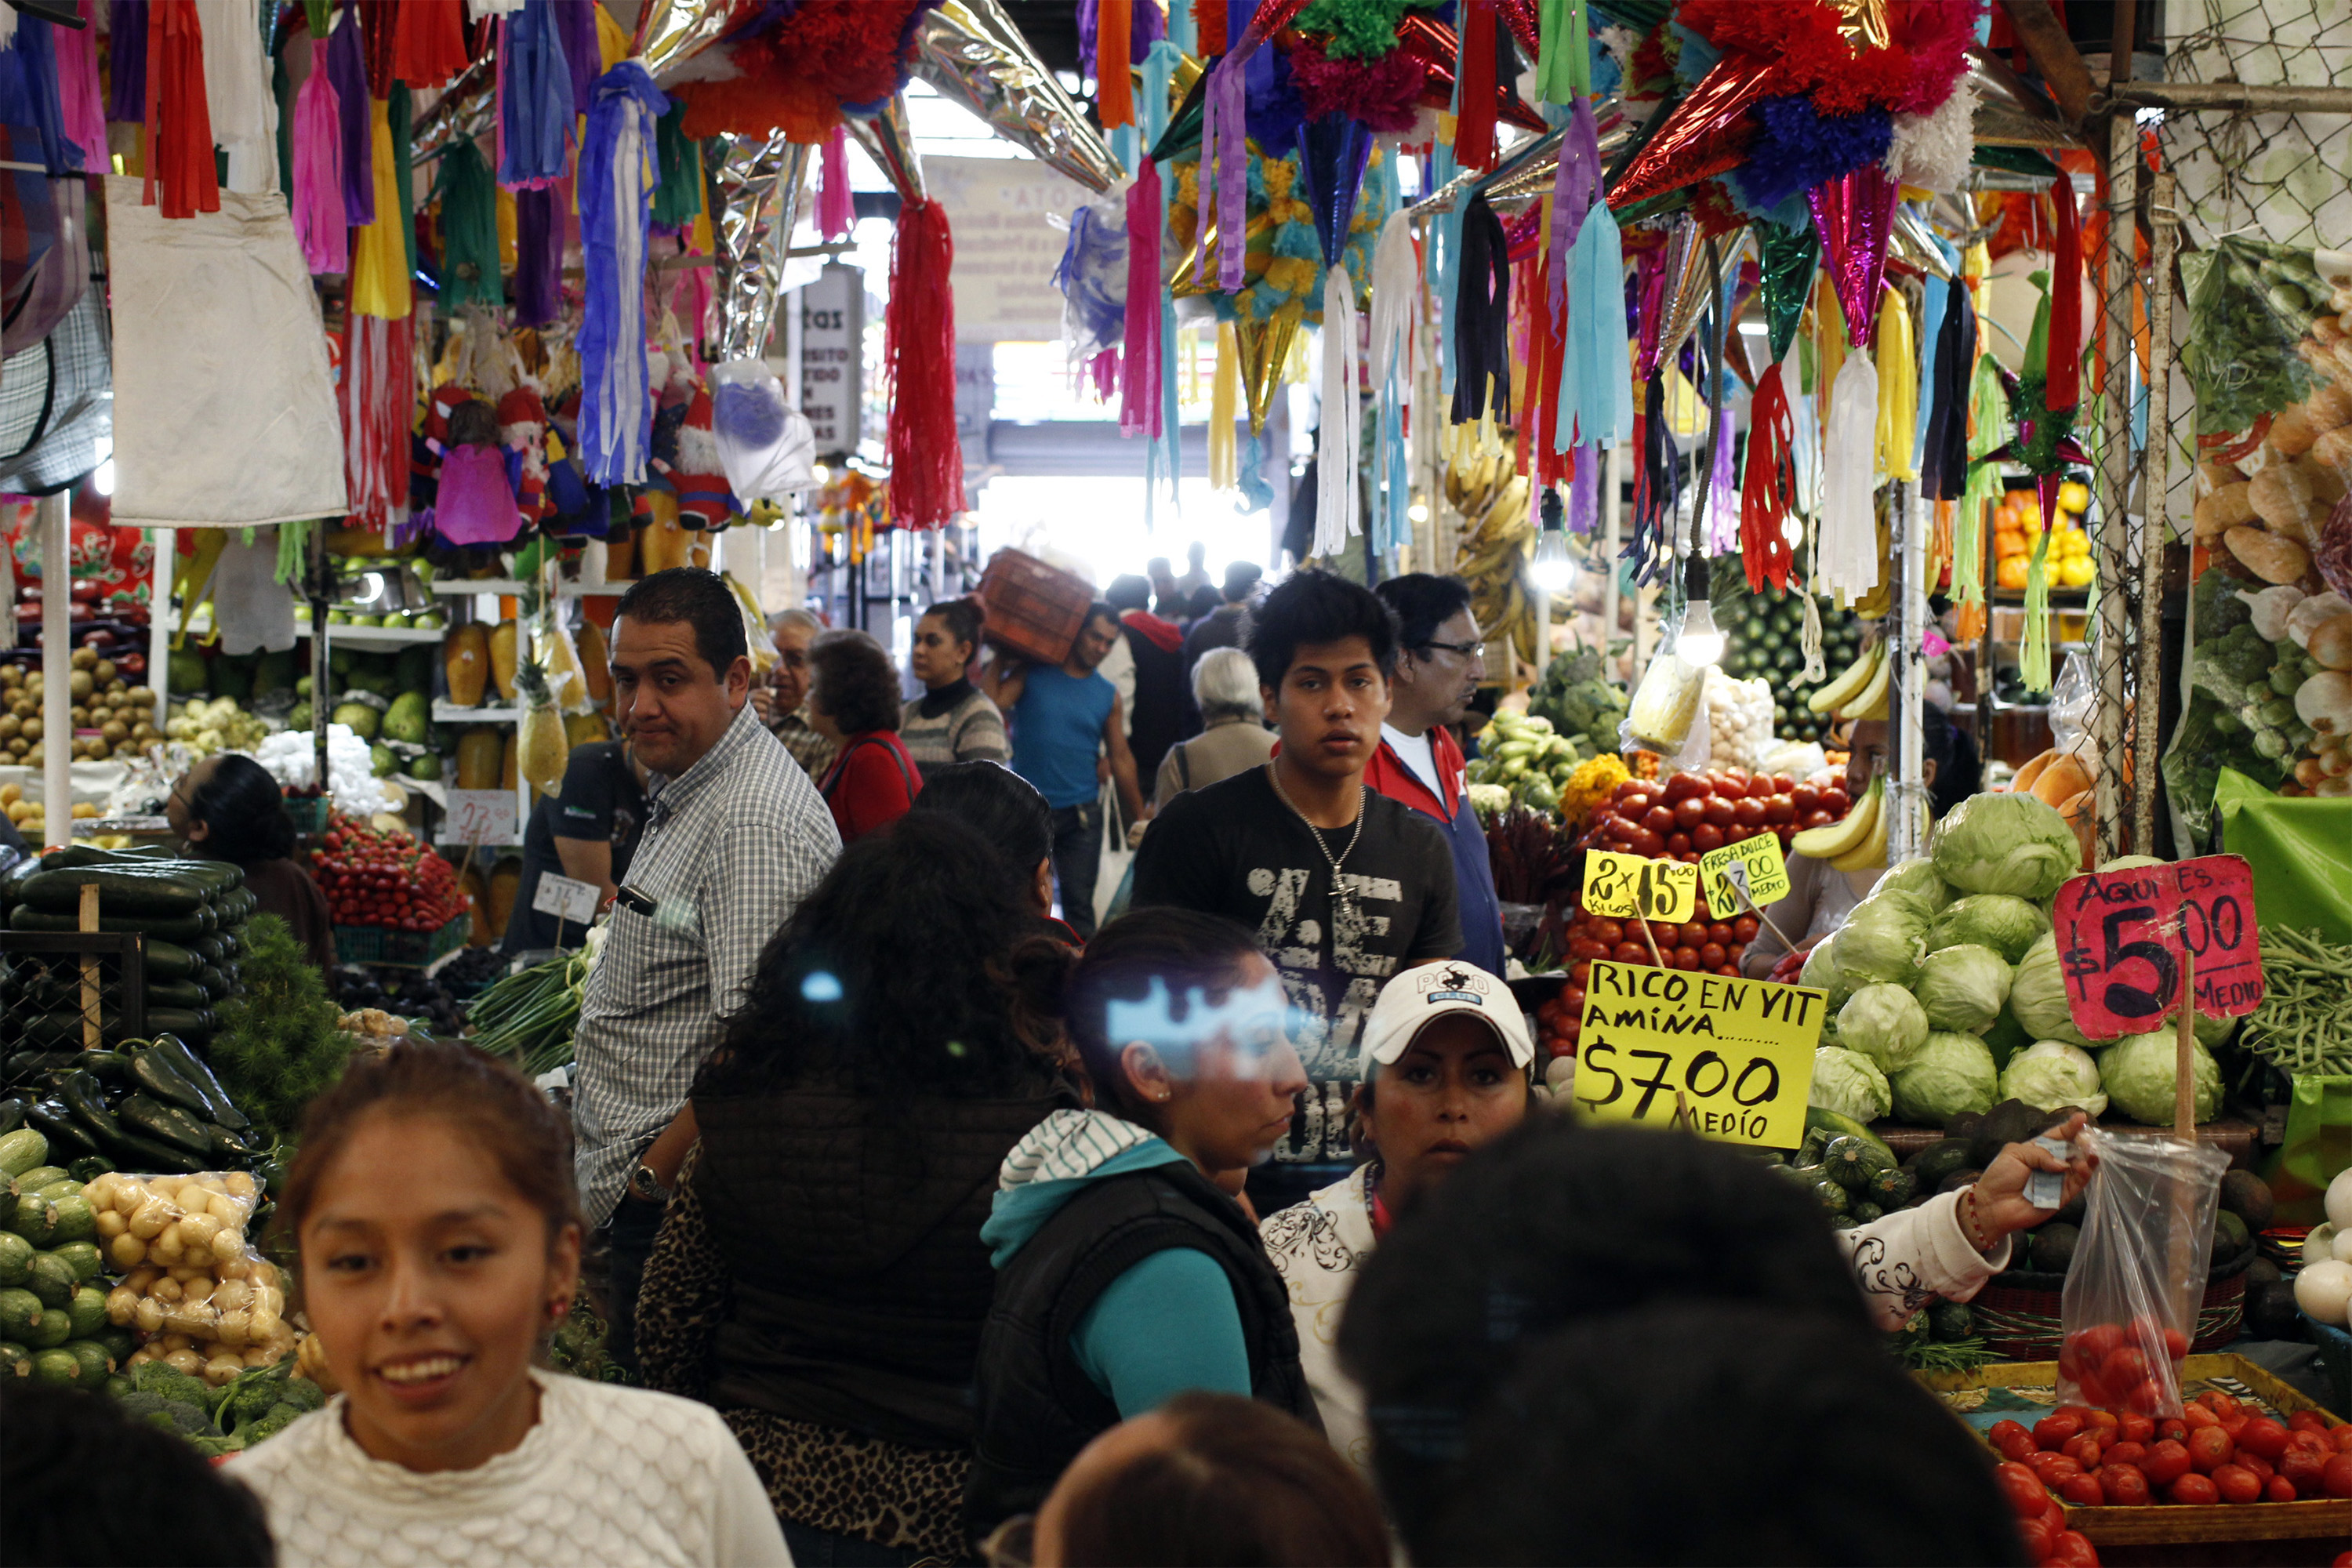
2199 1418
2073 1549
2052 1468
1719 812
1712 956
1836 802
2304 1469
1678 844
2278 1489
2083 1490
1659 819
1779 811
2055 1431
2012 1438
2123 1453
1579 972
1629 953
2107 1418
2193 1488
1631 787
2342 1437
1587 948
1744 929
2026 1493
2124 1486
2084 1450
2166 1462
2124 1366
2235 1483
2308 1421
1690 810
1763 788
1748 813
2038 1534
2172 1427
1685 958
2256 1463
1683 786
2210 1448
1814 818
1642 841
1690 933
2090 1388
2220 1403
1805 798
1608 930
2176 1344
2336 1479
2134 1427
2147 1397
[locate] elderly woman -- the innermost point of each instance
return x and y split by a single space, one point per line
1225 683
852 702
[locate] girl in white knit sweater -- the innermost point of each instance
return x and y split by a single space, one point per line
440 1239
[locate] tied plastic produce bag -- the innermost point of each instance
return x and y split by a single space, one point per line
766 446
2139 1275
199 1296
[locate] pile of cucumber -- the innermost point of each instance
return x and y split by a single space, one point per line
155 1108
53 1322
191 913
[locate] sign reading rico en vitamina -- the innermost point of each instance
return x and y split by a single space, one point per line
1737 1054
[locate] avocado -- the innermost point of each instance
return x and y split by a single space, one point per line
1966 1175
2011 1121
408 718
1948 1320
413 672
1964 1125
357 717
299 717
372 673
2271 1312
381 761
339 661
186 669
302 685
2248 1196
1930 1166
2230 1239
2053 1248
2262 1271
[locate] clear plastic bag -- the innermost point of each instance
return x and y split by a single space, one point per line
193 1288
2073 697
2138 1276
766 447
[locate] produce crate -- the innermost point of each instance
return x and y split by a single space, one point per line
405 949
2168 1534
310 812
2335 1357
2233 1135
2017 1312
1034 610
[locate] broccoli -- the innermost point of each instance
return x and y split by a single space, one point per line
251 1394
2233 666
187 1420
139 1403
162 1378
281 1416
303 1395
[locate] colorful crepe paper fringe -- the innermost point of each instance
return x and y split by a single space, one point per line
615 188
320 220
836 211
81 106
919 336
347 68
179 150
536 113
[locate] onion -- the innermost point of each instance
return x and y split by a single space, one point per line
2324 1291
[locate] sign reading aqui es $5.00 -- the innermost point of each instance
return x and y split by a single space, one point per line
1738 1053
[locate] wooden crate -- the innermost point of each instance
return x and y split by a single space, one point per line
1034 610
2169 1533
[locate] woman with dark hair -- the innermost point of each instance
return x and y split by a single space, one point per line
228 807
1006 810
1127 1275
820 1276
852 702
952 721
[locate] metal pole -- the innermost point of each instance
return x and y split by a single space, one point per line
2156 529
2238 95
321 592
2114 626
165 543
1613 537
1907 690
57 666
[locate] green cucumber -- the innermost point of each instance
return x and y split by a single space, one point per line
82 1257
169 961
57 1365
120 892
22 1151
86 1311
24 917
39 1177
51 1279
16 1361
20 1314
91 1360
16 1260
183 994
222 876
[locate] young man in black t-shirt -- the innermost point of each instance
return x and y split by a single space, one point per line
1343 886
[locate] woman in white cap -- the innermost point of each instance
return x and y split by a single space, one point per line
1446 1056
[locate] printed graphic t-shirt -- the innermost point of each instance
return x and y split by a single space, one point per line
1235 849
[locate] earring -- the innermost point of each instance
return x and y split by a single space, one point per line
557 1311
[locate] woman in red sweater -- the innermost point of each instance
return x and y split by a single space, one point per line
853 700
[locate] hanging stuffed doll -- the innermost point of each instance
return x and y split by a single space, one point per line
704 500
522 431
476 504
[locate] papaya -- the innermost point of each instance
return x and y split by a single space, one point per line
595 664
477 908
503 652
466 660
506 878
2062 780
508 763
478 758
583 728
2031 770
620 556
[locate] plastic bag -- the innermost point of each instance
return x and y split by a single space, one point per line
201 1299
2138 1276
2071 699
765 446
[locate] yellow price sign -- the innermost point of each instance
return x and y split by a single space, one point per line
1762 865
1737 1054
1628 887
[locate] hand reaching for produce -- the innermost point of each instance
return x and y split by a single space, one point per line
2001 1204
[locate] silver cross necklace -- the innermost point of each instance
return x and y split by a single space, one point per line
1343 902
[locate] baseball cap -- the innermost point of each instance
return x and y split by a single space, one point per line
1432 991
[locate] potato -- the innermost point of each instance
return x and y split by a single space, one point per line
167 1250
111 1225
173 1342
128 1196
148 1315
2223 510
260 1355
229 1211
154 1216
100 1189
196 1320
261 1323
233 1268
120 1303
228 1244
240 1184
223 1369
167 1290
197 1230
232 1295
139 1278
198 1290
233 1328
127 1251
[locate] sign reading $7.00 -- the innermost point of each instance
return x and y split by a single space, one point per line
1737 1054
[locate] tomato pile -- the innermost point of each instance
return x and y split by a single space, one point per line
2121 1366
1685 816
2220 1450
387 879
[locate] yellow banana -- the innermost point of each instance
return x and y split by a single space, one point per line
1850 684
1872 851
1845 836
1870 702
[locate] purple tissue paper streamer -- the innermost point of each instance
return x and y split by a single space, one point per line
126 91
347 69
1574 185
538 258
576 26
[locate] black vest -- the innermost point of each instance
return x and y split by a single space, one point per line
1037 1407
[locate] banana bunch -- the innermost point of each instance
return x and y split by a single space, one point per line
1861 691
1874 605
1857 840
1483 485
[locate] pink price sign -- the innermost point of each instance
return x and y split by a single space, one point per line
2122 935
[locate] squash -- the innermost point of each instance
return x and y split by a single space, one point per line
2078 810
466 661
595 664
2062 780
2032 770
507 762
478 752
506 879
477 908
503 644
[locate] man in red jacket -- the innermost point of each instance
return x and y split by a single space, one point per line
1439 660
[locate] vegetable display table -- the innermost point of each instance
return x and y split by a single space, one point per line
2233 1135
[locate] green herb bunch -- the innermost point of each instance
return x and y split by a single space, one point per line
278 1044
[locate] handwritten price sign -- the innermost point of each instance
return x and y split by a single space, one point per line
2122 935
1762 868
1740 1053
1627 886
566 899
483 816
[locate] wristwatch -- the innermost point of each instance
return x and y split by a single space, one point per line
644 1185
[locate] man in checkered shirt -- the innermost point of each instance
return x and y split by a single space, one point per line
735 837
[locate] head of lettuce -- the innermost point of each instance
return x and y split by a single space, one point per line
2011 844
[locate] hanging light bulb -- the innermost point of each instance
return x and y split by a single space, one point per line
1700 643
1552 570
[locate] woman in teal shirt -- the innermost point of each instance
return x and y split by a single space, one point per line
1126 1271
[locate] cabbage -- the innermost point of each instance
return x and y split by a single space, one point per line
1850 1084
1915 883
2008 926
2037 998
1884 1024
1822 974
2138 1072
1962 988
2009 843
2048 1074
1951 1074
1881 940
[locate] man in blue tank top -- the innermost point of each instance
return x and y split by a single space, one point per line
1063 717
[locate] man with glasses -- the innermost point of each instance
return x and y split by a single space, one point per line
1419 762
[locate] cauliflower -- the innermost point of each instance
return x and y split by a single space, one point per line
1490 801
